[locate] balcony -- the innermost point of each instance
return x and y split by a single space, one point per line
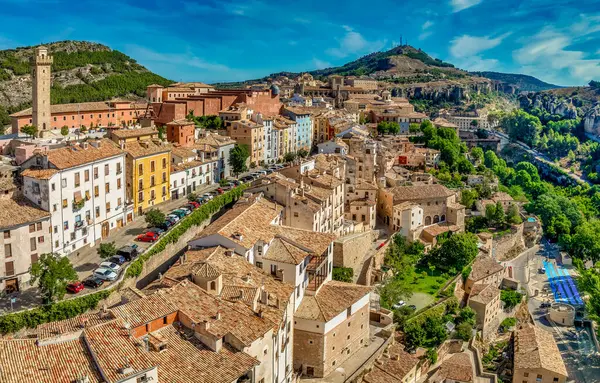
80 224
317 272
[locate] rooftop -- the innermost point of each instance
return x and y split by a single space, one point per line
392 368
129 133
536 348
147 148
215 140
19 211
484 266
484 293
84 153
332 298
420 192
141 311
457 368
39 174
82 107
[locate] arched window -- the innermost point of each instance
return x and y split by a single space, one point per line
213 285
427 221
436 218
443 218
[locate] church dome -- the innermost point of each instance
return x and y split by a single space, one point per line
274 90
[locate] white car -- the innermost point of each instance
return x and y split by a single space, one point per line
105 274
208 196
185 210
110 265
261 172
399 304
173 217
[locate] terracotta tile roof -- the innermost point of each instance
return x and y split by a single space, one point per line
129 133
114 349
501 197
484 266
39 174
362 202
23 361
180 151
215 140
458 368
72 325
249 218
323 179
147 148
76 155
142 311
19 211
283 251
82 107
181 122
443 123
395 367
536 348
313 241
440 228
420 192
332 298
364 185
186 359
236 318
377 375
483 293
205 270
187 165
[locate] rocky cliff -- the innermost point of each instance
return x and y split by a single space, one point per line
591 120
551 103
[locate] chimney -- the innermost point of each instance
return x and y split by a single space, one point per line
218 315
122 145
96 144
84 145
205 325
229 252
264 296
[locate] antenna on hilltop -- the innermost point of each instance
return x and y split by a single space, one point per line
400 40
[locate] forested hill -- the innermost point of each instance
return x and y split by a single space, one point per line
81 72
521 81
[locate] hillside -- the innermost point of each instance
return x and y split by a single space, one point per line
521 81
81 72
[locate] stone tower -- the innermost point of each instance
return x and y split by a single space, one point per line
41 82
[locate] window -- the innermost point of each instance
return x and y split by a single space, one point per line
108 207
526 374
34 258
55 207
164 177
53 186
140 169
152 195
10 268
38 226
96 191
32 244
63 182
164 163
141 197
66 225
140 184
7 234
119 170
97 211
73 237
87 195
164 191
119 202
32 227
7 250
539 377
152 166
107 187
295 214
555 380
77 179
106 169
55 229
152 182
95 173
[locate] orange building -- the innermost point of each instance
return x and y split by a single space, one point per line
88 114
181 132
247 132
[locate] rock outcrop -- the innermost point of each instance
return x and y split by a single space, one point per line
591 120
550 103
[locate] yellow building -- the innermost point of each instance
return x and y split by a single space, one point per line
148 178
121 136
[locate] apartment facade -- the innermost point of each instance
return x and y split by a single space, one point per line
304 127
25 236
251 134
83 188
223 146
148 173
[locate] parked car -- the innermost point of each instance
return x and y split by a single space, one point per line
156 230
110 265
105 274
236 183
194 204
261 173
398 305
189 206
75 287
255 175
118 259
542 270
545 304
178 213
129 252
166 225
185 210
246 179
279 166
207 196
269 171
93 282
220 190
412 307
147 237
173 218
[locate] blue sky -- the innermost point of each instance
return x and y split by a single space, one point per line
557 41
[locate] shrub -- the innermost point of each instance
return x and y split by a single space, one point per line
464 331
508 323
343 274
510 298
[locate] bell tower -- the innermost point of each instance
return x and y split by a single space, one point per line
41 82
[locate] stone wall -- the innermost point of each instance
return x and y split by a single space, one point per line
349 251
509 245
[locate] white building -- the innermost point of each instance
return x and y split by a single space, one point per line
83 188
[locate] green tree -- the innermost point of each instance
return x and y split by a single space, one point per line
511 298
414 335
474 124
457 251
303 153
383 128
238 157
467 315
468 197
343 274
289 157
432 355
477 154
107 250
584 244
522 126
499 215
64 131
52 273
30 130
154 217
161 131
192 197
512 215
464 331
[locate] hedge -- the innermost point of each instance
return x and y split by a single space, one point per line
197 218
66 309
343 274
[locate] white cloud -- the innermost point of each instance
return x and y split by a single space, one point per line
353 42
459 5
467 46
426 30
547 52
477 64
428 24
320 64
